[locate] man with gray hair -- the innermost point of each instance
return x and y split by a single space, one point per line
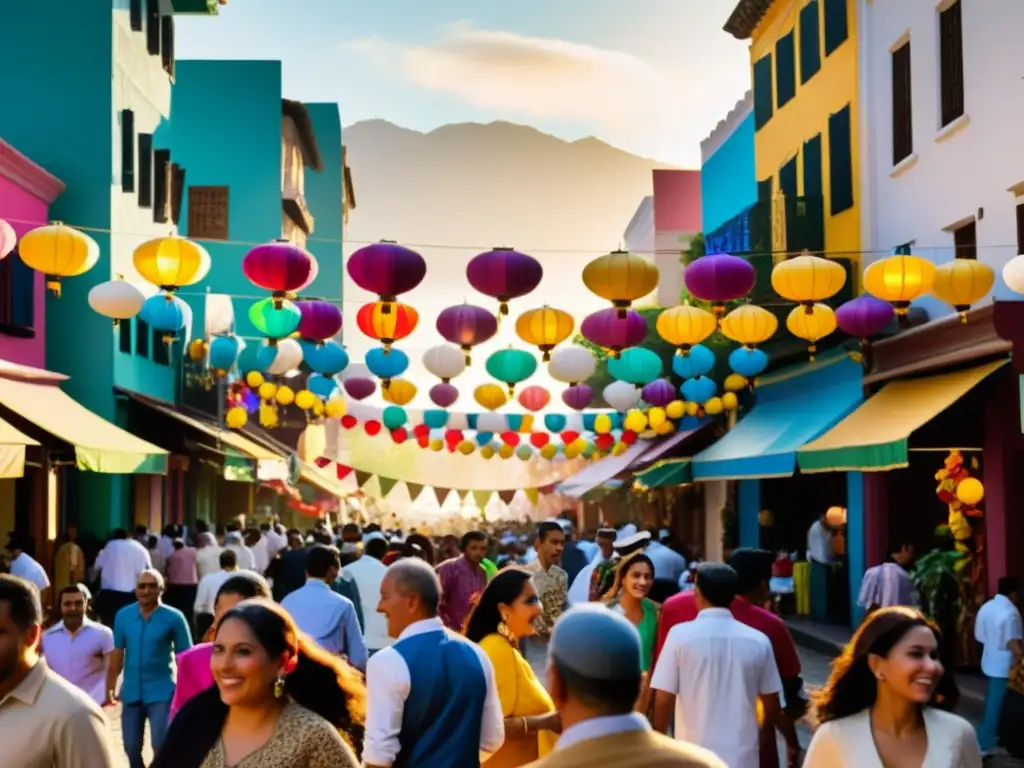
147 635
432 697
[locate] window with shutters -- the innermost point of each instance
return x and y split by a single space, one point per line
163 181
177 190
810 41
764 190
167 44
902 110
763 97
17 297
836 24
965 240
161 349
135 14
840 161
787 178
951 58
124 335
208 213
812 167
142 334
145 170
127 150
153 27
785 70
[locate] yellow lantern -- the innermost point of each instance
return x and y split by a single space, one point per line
318 409
656 417
506 451
749 325
899 280
197 350
734 382
58 251
268 416
765 518
812 326
808 279
836 516
549 451
436 444
254 379
466 447
602 424
730 402
490 396
305 399
487 452
691 408
970 491
571 451
621 278
236 417
684 326
399 392
714 406
285 395
619 448
267 390
171 262
335 408
676 409
666 428
635 421
963 282
545 328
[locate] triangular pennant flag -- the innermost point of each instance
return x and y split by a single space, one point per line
440 494
506 496
457 495
415 489
342 471
372 488
362 477
481 498
322 462
386 484
533 494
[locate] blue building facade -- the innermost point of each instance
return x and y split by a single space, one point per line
727 175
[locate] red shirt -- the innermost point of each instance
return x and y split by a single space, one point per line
683 607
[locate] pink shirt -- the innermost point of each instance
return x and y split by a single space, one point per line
461 585
194 675
181 567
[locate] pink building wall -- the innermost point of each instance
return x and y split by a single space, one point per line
677 216
26 192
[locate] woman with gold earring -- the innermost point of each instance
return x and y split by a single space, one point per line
504 614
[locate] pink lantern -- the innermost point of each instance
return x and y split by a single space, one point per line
534 398
280 267
610 329
443 395
579 396
466 326
504 274
359 388
659 393
320 320
386 269
8 239
719 278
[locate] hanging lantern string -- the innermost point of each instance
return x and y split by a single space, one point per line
469 247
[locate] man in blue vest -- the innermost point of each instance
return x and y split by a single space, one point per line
432 698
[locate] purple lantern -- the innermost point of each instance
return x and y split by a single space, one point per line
659 393
359 388
579 396
443 395
864 316
280 267
466 325
719 278
320 320
609 329
386 269
504 274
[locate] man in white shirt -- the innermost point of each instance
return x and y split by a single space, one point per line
243 554
819 555
209 585
579 592
999 629
714 670
78 648
669 566
207 554
368 574
120 563
24 566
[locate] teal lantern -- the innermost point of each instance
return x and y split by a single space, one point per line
511 366
167 314
272 322
635 365
393 417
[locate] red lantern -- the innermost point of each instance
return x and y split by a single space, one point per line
604 442
399 435
421 430
372 428
452 438
569 436
348 421
534 398
280 267
387 327
628 436
423 441
539 439
510 438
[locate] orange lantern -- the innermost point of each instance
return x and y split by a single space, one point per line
387 322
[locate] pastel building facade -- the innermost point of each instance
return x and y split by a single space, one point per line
728 177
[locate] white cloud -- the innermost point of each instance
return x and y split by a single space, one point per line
627 99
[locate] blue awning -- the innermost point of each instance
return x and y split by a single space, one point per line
792 408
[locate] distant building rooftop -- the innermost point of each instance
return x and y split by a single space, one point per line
726 126
677 201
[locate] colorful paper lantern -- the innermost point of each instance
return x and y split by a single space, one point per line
602 423
280 358
658 393
504 274
386 269
435 419
635 421
58 251
372 428
322 386
319 320
306 400
699 361
223 353
197 350
1013 274
335 408
676 409
730 402
545 328
117 299
171 262
253 379
747 363
685 326
398 391
524 453
578 396
328 359
387 327
386 364
864 316
393 417
466 325
808 279
8 239
899 280
621 278
963 282
236 417
812 326
511 366
699 389
749 325
614 330
280 267
466 447
719 278
164 313
549 451
444 361
399 435
555 422
444 394
636 365
534 398
572 365
490 396
735 382
539 439
275 318
970 491
359 387
621 396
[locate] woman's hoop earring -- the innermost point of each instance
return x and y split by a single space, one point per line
279 687
505 632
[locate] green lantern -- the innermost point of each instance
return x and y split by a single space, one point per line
635 365
511 366
393 417
272 322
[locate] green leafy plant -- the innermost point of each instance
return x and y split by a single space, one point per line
936 576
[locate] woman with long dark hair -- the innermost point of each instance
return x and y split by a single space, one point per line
504 614
628 596
886 701
279 701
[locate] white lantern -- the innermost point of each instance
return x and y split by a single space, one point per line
572 365
288 357
8 239
621 395
1013 274
446 361
491 422
116 299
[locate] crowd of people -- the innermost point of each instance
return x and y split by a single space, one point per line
267 648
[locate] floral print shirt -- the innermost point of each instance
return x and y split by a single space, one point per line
552 587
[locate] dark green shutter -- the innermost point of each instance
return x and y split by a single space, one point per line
161 349
787 178
125 335
812 167
785 70
762 91
141 337
764 190
836 27
840 160
23 304
810 37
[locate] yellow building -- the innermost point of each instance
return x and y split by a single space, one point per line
803 56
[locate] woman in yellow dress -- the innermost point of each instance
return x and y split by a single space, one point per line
505 612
